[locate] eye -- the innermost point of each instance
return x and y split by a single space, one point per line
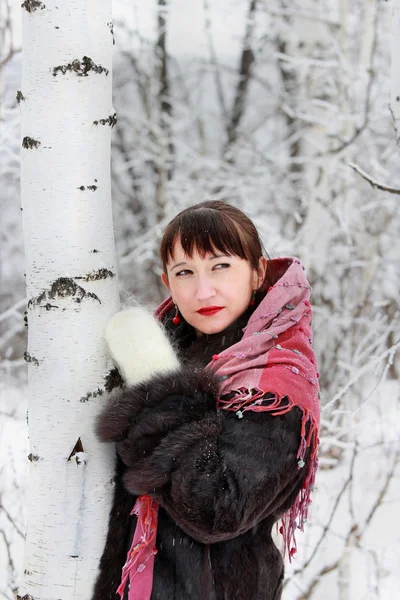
182 273
221 266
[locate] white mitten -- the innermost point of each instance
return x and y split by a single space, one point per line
139 346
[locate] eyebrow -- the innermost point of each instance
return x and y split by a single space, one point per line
209 258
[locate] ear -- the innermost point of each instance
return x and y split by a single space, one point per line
261 271
165 281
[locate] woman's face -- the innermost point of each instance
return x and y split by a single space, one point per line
211 292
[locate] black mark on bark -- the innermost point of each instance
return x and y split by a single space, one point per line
64 287
26 318
30 6
113 380
20 96
81 68
92 188
30 143
89 395
50 306
33 457
97 275
111 26
77 448
111 120
78 453
31 359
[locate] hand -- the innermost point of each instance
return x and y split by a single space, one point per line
138 345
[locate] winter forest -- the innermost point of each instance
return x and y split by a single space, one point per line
290 111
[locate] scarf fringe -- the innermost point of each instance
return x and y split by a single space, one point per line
143 547
254 399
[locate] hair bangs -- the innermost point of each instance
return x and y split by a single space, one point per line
212 227
207 232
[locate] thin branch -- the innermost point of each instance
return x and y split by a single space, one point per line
354 531
298 14
142 80
367 104
13 523
13 310
365 369
375 184
317 578
329 522
383 492
7 545
7 27
307 61
8 415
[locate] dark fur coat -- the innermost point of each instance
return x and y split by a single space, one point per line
221 482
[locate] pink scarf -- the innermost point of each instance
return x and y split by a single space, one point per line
274 355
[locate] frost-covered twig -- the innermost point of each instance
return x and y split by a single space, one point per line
378 502
375 184
6 31
13 310
299 14
330 519
11 520
389 353
367 102
307 61
354 532
8 550
10 333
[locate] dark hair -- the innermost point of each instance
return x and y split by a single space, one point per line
212 226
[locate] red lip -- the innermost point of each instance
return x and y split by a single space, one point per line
209 310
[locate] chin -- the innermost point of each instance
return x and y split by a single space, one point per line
213 326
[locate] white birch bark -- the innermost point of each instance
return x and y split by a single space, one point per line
67 116
395 69
306 35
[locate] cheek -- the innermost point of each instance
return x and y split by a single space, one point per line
181 293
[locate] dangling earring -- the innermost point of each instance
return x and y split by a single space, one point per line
176 320
253 298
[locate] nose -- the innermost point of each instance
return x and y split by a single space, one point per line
205 289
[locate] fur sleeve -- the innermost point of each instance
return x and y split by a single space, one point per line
215 474
172 399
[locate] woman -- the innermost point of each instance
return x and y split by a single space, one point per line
216 429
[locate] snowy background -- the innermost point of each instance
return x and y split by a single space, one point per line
277 139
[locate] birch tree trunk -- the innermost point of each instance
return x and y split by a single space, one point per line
303 38
67 116
395 70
